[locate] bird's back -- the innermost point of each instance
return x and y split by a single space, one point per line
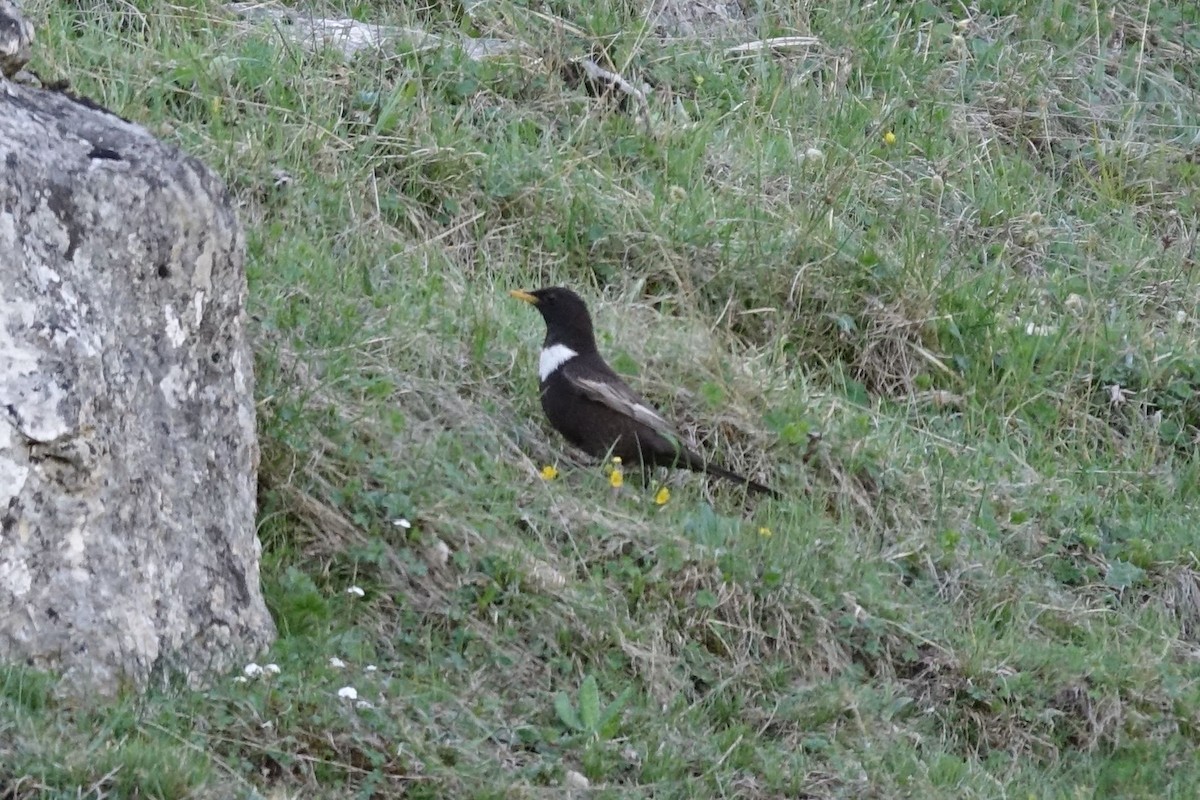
597 428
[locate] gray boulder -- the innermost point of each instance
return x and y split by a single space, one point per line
127 431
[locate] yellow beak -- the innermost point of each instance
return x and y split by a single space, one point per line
526 296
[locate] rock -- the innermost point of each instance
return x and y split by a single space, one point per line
696 19
127 429
303 27
575 780
16 39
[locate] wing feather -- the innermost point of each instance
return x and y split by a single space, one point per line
620 398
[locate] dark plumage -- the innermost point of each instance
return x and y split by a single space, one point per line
592 407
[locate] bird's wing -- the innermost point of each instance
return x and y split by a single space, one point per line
620 398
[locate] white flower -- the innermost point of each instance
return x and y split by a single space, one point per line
241 679
402 523
357 591
370 668
252 670
363 704
348 693
271 669
337 663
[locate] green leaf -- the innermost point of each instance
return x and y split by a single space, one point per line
589 704
795 432
624 364
713 394
611 721
566 712
1122 574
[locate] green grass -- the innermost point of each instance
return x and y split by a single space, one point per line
984 580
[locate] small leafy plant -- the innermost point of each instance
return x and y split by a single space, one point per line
588 719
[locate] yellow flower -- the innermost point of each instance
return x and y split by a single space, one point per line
613 470
549 472
662 496
889 138
764 531
615 478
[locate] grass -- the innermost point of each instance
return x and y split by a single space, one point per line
932 278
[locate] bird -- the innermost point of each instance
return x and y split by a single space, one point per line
593 409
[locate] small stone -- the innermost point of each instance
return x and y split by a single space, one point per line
573 780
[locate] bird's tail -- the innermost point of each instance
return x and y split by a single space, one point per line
730 475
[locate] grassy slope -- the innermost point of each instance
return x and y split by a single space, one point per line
985 581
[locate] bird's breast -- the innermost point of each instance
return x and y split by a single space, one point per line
552 358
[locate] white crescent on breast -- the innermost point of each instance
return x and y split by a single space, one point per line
552 358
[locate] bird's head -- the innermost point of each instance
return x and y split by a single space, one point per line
567 319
